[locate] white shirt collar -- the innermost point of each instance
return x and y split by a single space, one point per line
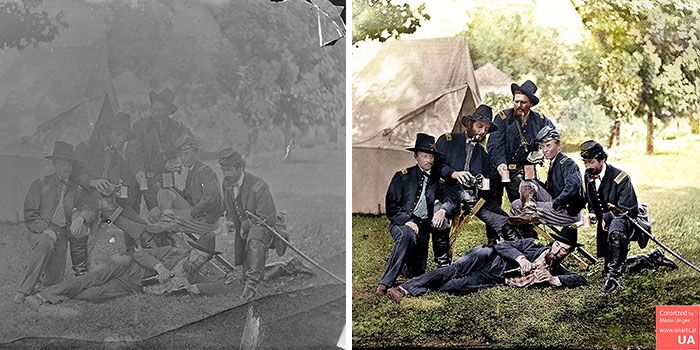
602 172
240 181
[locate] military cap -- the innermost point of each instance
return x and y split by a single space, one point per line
482 113
229 157
591 149
528 88
547 133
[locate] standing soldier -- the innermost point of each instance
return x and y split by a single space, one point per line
101 169
153 146
510 146
465 163
414 214
560 199
243 192
55 214
606 185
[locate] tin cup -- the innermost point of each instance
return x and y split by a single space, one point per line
505 175
529 171
485 184
123 192
586 221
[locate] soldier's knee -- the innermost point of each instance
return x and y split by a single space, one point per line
44 244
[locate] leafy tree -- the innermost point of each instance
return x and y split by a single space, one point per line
23 23
381 20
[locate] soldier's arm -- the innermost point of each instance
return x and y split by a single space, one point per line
86 205
568 278
32 215
210 191
627 197
511 250
496 143
264 204
150 258
447 196
572 183
395 211
135 150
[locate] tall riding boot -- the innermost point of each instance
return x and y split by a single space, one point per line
659 259
529 214
257 253
292 267
510 233
441 248
79 255
618 246
492 236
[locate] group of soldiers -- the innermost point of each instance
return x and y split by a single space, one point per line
94 184
458 174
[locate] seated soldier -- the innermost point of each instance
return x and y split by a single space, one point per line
487 266
196 208
560 199
414 214
157 271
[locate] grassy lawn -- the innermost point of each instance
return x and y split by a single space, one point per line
546 317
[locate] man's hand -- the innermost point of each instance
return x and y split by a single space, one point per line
180 283
502 167
543 275
76 225
101 185
246 225
413 226
525 265
438 218
463 177
163 273
141 179
51 234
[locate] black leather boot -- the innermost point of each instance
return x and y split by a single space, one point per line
441 248
529 214
659 259
510 233
618 246
79 255
256 256
292 267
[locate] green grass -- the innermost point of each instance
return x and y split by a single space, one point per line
546 317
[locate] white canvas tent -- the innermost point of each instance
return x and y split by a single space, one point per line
46 94
409 86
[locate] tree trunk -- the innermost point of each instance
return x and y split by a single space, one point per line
694 125
288 137
650 133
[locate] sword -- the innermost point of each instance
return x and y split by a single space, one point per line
220 259
264 223
652 237
460 221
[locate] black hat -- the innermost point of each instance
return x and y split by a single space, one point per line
546 134
528 88
591 149
483 113
63 151
165 97
568 235
206 243
424 143
229 157
120 121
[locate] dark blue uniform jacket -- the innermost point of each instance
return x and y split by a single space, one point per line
565 185
404 192
504 145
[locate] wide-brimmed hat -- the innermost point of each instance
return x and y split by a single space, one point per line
121 121
206 243
483 113
528 88
546 134
62 150
228 157
186 141
591 149
165 97
568 235
424 143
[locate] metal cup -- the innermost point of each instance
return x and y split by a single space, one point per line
586 221
123 192
485 184
529 171
505 175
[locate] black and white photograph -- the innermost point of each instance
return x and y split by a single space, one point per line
173 174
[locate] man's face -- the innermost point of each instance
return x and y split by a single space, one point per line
593 166
63 168
232 173
557 252
159 110
521 105
478 130
550 148
196 260
188 156
425 160
116 138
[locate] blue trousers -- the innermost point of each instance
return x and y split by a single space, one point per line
409 253
468 274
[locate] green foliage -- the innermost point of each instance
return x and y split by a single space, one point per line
24 23
381 20
498 102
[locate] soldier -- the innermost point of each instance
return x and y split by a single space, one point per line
520 263
414 214
197 208
153 146
159 271
243 192
55 214
510 146
465 163
606 185
101 169
560 199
